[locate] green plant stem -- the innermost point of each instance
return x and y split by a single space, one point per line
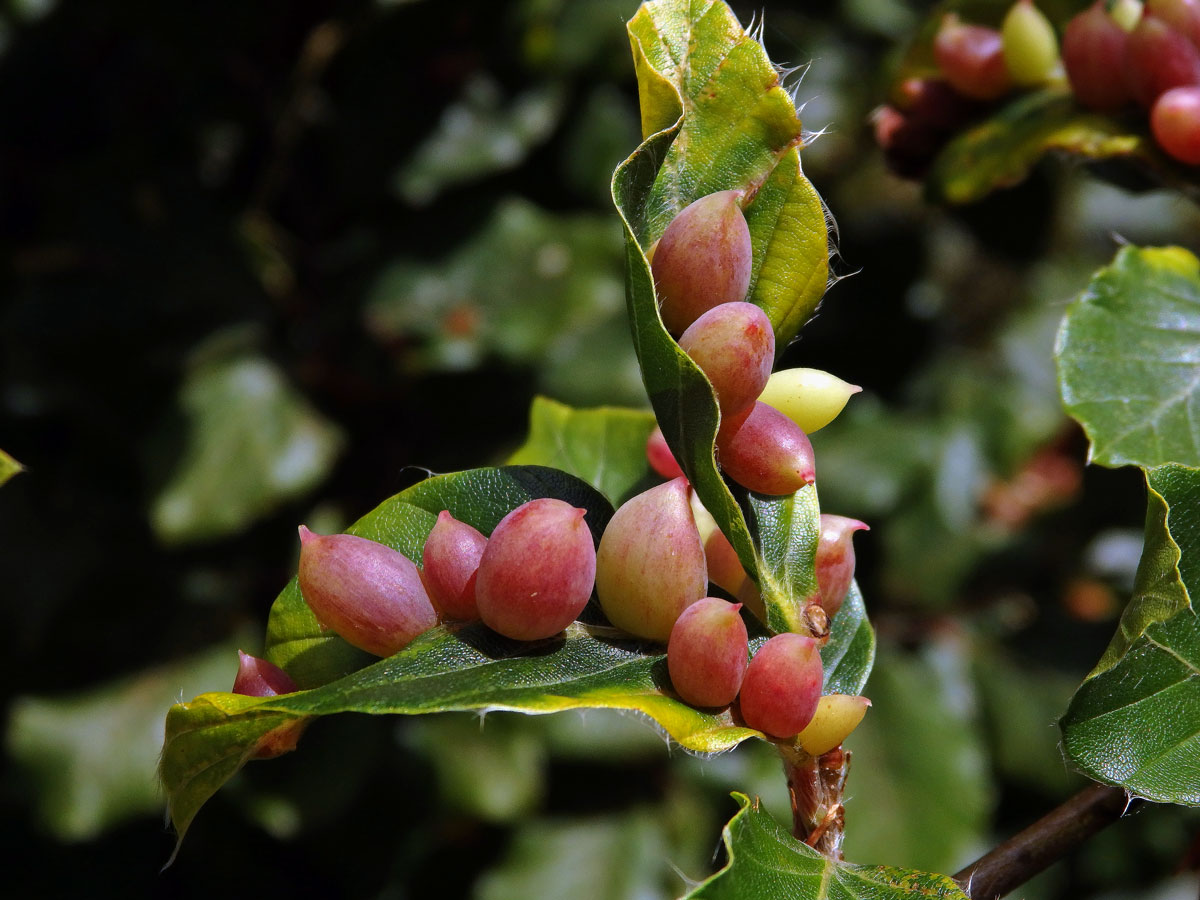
1044 842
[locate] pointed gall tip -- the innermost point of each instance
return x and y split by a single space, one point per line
855 389
306 535
857 525
581 511
737 607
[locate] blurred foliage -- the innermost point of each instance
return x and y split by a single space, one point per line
92 754
533 288
8 467
171 172
253 442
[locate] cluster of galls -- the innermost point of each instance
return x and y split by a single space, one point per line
535 573
1115 54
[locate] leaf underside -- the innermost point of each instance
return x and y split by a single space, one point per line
1135 722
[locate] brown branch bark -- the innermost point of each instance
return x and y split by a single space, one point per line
1044 842
816 786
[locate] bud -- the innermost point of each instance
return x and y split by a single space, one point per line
835 560
537 570
1030 46
451 557
836 717
259 678
1175 123
782 685
650 565
734 345
816 620
369 594
1093 50
972 58
1157 59
769 454
702 260
707 652
1182 15
1126 13
660 457
809 397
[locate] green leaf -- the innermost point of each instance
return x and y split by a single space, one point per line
532 288
253 442
1135 721
1129 359
605 447
765 862
92 755
479 497
8 467
472 668
739 130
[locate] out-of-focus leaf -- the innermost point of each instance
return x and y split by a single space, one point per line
472 668
479 497
599 858
1000 151
605 447
565 36
924 800
478 135
1021 703
1027 125
739 130
1135 721
1129 359
8 467
491 768
765 862
605 130
532 288
253 442
92 755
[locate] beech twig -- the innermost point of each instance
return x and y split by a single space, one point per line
1044 842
